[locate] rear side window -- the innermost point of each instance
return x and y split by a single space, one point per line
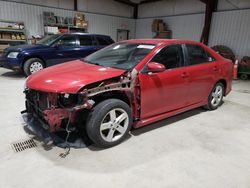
171 57
85 40
104 41
197 55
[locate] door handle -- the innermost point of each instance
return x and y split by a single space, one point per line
184 75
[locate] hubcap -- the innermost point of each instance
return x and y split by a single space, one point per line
35 66
114 125
217 95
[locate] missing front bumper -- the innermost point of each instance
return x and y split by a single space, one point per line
41 130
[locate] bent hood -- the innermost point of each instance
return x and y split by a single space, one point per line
70 77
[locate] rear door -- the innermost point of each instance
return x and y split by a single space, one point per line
202 71
164 91
86 46
103 41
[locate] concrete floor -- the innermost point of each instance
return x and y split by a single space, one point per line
194 149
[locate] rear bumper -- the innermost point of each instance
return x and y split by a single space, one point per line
229 87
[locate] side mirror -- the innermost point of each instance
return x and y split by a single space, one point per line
155 67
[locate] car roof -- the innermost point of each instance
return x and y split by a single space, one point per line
89 34
161 41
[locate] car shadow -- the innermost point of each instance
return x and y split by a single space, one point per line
157 125
167 121
115 159
13 74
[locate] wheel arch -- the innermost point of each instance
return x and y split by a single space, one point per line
111 95
33 56
224 82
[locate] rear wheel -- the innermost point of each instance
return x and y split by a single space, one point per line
109 122
32 65
216 97
243 77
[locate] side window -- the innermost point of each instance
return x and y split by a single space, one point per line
67 41
170 56
103 41
85 40
197 55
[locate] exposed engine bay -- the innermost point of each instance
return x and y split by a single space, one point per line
62 111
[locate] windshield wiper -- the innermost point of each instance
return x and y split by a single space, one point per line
87 61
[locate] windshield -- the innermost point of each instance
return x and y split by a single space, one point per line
120 55
48 40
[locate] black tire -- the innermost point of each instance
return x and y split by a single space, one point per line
243 77
210 105
224 51
28 63
99 114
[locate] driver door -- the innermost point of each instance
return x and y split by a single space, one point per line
164 91
65 49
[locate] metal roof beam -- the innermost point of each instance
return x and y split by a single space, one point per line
75 5
211 6
148 1
126 2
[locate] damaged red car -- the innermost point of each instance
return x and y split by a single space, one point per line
128 84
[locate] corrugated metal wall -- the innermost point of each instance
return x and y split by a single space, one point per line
170 8
183 27
31 15
231 28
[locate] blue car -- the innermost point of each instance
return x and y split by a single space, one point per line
52 50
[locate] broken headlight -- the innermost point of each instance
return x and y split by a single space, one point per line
70 100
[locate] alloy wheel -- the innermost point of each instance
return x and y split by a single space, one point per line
114 125
217 95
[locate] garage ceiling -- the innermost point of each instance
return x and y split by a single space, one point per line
136 2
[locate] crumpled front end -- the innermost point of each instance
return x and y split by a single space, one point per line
68 111
55 110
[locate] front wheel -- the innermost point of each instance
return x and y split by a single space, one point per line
32 65
216 97
109 123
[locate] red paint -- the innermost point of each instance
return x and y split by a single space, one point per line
162 94
159 117
235 72
70 77
55 116
156 67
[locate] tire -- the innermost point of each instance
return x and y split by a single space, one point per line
215 98
243 77
101 127
224 51
32 65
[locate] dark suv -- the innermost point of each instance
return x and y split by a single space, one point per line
52 50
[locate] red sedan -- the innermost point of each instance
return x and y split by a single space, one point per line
128 84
